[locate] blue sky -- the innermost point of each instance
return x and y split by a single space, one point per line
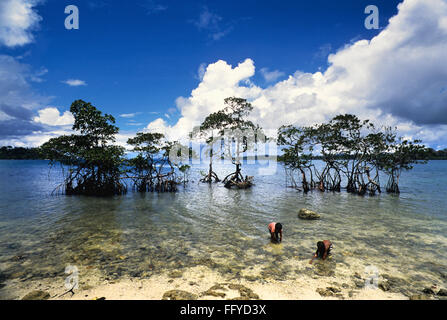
139 57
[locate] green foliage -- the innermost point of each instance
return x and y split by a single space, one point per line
19 153
431 154
153 169
92 124
93 160
401 155
297 146
184 168
240 134
349 147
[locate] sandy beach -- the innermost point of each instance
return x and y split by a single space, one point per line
203 284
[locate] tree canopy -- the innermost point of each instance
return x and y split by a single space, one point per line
94 161
352 150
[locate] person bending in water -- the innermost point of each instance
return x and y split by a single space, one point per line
275 229
323 250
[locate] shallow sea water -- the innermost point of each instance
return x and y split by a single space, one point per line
142 235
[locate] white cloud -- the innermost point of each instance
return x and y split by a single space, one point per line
158 125
36 77
18 19
129 115
20 125
219 82
208 20
52 117
394 79
271 76
75 82
213 24
201 71
137 124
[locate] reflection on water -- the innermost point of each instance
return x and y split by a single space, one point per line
139 235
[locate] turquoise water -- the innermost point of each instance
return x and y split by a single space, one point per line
139 235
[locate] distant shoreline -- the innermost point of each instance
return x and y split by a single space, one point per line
21 153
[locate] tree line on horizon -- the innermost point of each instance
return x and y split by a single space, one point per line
351 149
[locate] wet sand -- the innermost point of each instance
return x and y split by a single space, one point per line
205 285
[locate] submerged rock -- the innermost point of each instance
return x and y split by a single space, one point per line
213 293
208 262
384 286
325 268
175 274
179 295
394 283
442 292
17 275
329 291
420 297
240 298
307 214
37 295
359 284
428 291
245 293
219 286
18 258
251 278
351 293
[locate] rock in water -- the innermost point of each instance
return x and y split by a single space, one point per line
420 297
384 286
179 295
175 274
428 291
329 291
37 295
307 214
442 293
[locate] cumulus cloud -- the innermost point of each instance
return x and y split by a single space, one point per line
51 116
18 18
24 119
75 82
201 71
396 79
17 99
220 80
271 76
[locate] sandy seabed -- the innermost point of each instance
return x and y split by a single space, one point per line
199 281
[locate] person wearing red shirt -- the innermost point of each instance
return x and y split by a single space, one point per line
275 229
